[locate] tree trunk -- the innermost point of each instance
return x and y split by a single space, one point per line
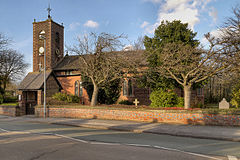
4 88
94 95
187 96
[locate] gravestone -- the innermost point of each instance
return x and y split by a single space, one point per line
224 104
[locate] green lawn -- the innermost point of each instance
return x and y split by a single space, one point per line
9 104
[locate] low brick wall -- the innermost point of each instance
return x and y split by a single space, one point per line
144 116
9 110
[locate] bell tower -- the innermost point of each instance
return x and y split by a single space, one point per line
53 34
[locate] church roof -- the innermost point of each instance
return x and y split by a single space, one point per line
73 62
33 81
68 63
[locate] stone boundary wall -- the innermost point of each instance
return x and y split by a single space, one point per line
144 116
9 110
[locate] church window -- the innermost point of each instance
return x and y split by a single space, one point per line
42 32
80 89
125 88
130 89
76 88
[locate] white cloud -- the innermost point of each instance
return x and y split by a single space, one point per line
214 14
188 11
74 25
144 24
215 33
91 24
153 1
128 48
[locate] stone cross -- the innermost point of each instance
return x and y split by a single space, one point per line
224 104
136 102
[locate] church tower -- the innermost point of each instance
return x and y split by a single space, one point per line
53 34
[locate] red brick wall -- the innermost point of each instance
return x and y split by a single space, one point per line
8 110
69 88
145 116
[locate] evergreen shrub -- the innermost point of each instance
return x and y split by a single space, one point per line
180 102
162 98
73 99
60 96
10 99
66 97
235 101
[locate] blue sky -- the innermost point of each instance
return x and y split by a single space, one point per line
132 17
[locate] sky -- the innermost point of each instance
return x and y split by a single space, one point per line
133 18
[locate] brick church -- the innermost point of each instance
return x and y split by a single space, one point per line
62 72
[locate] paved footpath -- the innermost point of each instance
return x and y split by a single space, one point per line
196 131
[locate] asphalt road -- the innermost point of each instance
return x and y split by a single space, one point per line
23 140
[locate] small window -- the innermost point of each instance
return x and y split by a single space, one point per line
42 32
68 72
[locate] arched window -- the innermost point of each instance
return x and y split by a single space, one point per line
130 89
80 89
76 88
125 88
42 32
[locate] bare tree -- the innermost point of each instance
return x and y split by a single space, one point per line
231 29
189 65
3 41
98 60
220 85
138 44
12 67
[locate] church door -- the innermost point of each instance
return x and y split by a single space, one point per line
31 101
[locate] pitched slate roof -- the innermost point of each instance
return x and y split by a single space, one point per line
68 63
73 63
33 81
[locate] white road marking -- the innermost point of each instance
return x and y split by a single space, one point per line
195 154
75 139
103 143
4 130
137 145
232 157
45 133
